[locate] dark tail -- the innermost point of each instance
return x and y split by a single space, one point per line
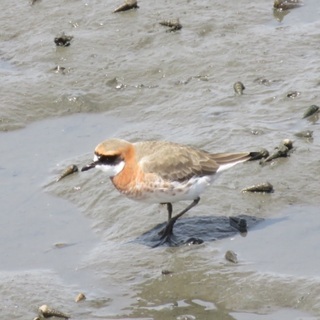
258 155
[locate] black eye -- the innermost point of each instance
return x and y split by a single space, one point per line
109 160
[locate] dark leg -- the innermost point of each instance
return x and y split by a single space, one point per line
167 231
169 208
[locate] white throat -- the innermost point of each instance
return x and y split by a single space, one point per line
110 170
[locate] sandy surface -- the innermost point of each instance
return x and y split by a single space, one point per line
127 77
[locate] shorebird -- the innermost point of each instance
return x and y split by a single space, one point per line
162 172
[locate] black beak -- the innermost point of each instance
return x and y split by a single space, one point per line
89 166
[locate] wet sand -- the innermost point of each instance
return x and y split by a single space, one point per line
283 264
127 77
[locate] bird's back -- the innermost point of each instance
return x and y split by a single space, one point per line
177 162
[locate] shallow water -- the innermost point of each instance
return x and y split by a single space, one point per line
127 77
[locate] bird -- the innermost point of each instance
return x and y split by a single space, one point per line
162 172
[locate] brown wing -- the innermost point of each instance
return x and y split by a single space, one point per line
173 161
225 158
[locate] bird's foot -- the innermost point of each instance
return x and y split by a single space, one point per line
166 234
167 231
167 241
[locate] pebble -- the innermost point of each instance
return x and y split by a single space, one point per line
238 88
265 187
231 256
128 5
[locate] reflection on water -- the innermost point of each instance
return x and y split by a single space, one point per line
199 229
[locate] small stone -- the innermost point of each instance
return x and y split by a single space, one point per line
238 88
265 187
304 134
69 170
293 94
166 272
193 241
173 24
63 40
231 256
310 111
80 297
46 312
288 143
128 5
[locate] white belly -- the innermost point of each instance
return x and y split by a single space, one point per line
176 191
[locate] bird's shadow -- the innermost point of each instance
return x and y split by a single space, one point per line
196 230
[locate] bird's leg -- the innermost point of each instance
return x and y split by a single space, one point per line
169 208
167 231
